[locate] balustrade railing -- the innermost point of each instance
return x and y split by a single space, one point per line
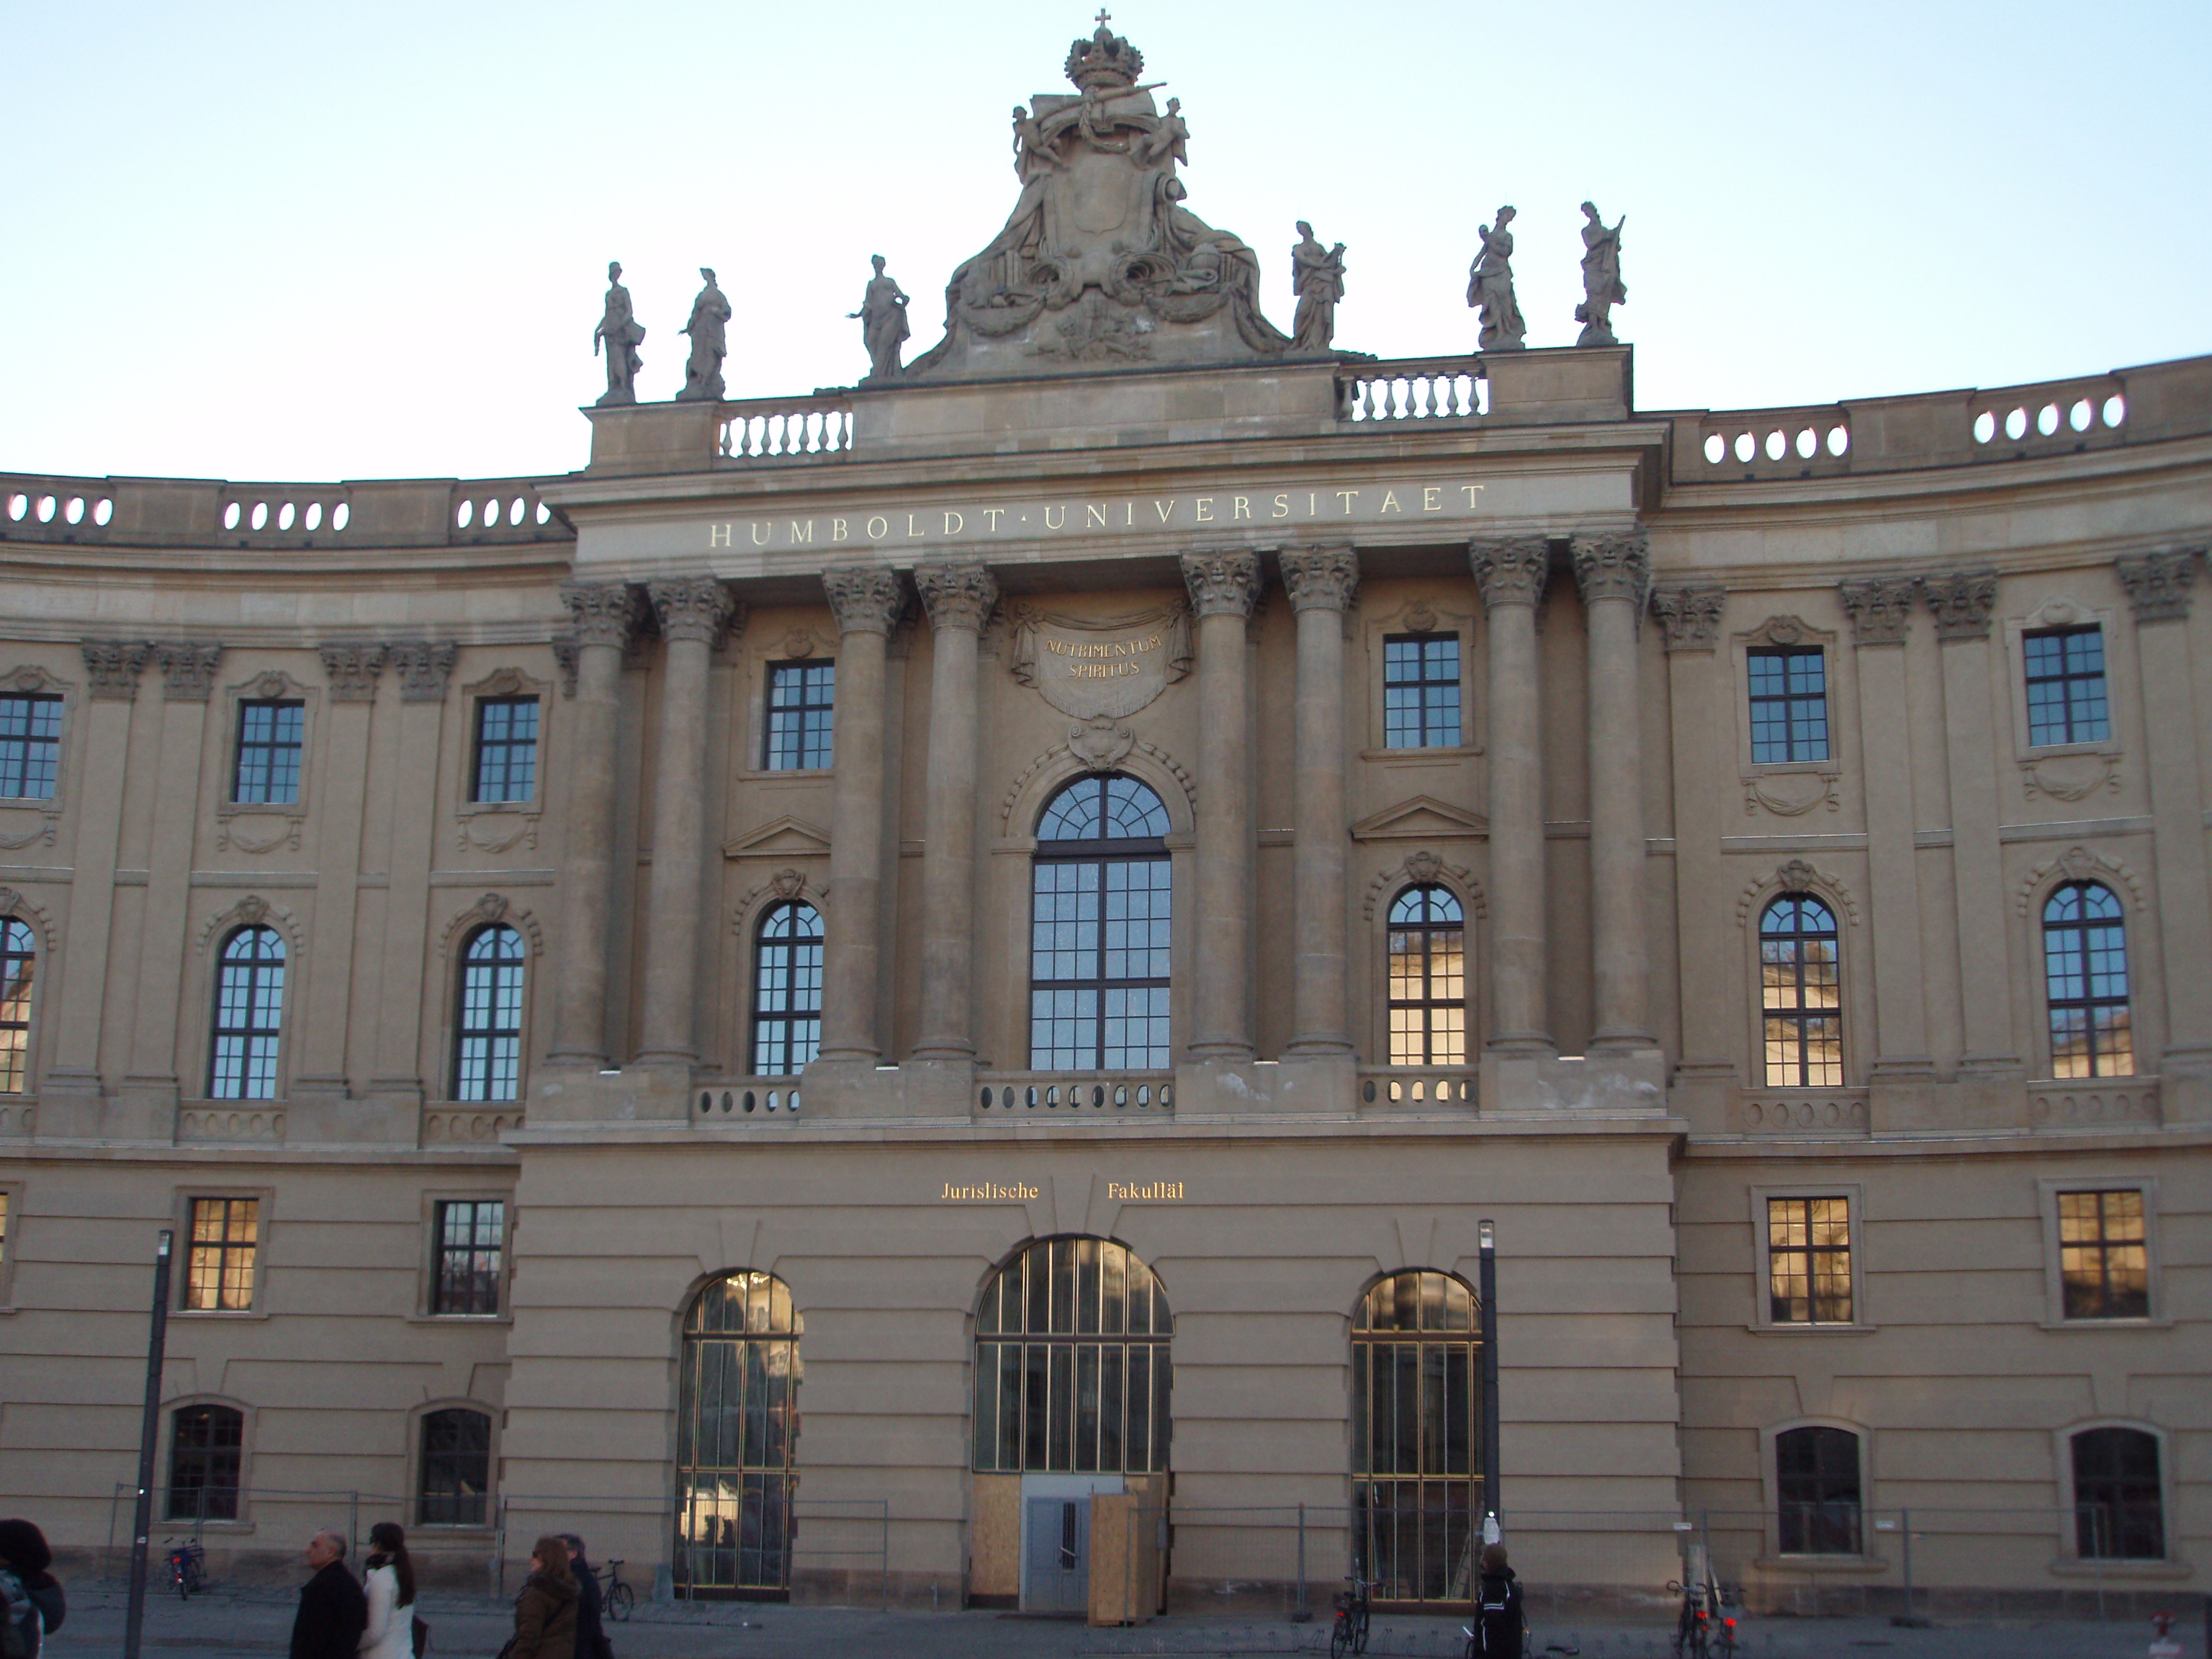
1800 1111
747 1100
1417 1085
213 514
2089 1103
1032 1092
785 430
468 1126
1421 389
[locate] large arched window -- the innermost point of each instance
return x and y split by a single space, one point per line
1428 978
737 1436
1802 994
18 963
488 1052
249 1009
452 1483
2085 969
786 990
1073 1371
1416 1438
1099 930
1816 1480
2119 1506
207 1447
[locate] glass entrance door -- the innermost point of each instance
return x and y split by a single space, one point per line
1416 1382
737 1438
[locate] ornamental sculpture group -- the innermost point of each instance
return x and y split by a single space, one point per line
1100 264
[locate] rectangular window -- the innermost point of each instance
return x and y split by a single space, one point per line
1789 705
2104 1255
507 749
226 1235
802 699
30 746
2066 685
471 1237
270 735
206 1454
1420 691
1808 1261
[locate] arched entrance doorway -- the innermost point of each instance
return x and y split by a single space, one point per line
1416 1436
737 1438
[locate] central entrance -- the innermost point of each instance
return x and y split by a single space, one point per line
1416 1409
737 1439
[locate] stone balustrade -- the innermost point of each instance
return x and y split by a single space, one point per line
747 1099
1027 1092
210 513
468 1126
785 428
2095 1103
231 1125
1421 389
1409 1086
18 1119
1822 1112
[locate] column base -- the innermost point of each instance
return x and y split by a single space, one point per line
1616 1083
846 1089
573 1093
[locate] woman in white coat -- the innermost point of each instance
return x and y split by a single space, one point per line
391 1587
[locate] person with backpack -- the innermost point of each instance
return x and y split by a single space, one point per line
390 1633
33 1598
1497 1622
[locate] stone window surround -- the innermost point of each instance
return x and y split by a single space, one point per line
268 685
2067 1560
45 942
816 641
1854 972
35 679
2047 1189
804 879
425 1265
166 1442
1789 631
11 1232
443 1026
1763 1323
506 682
202 975
1771 1556
2146 989
412 1497
2066 611
181 1257
1374 1054
1375 626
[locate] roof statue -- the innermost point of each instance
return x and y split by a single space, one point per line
1101 265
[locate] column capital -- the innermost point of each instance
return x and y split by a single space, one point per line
1880 607
605 613
1321 578
1614 565
957 595
115 665
1962 601
1510 570
2158 583
352 671
693 608
187 669
865 601
1221 583
423 666
1690 617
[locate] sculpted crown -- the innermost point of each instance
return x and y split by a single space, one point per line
1106 62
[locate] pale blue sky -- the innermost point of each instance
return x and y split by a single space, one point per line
307 241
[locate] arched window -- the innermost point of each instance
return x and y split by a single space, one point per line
2119 1508
453 1485
2085 969
488 1051
249 1008
1428 978
206 1445
1416 1439
786 990
1816 1475
1802 994
737 1435
1099 930
18 962
1073 1371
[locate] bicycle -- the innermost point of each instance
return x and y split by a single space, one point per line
619 1598
187 1566
1354 1609
1700 1631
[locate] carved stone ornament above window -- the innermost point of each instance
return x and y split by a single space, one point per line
1325 579
1510 570
604 613
798 645
1099 668
959 596
114 666
30 677
1101 744
1221 583
187 669
1690 617
1614 565
423 666
1784 631
1425 868
865 601
2158 584
697 610
1880 607
352 671
1420 617
1797 876
1792 793
1962 603
2068 777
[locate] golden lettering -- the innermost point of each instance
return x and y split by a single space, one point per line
1282 508
954 524
1390 501
1205 509
1240 507
1051 523
1163 511
876 535
995 513
796 538
838 531
760 540
718 535
1141 1192
988 1192
1429 502
911 528
1347 496
1470 490
1093 513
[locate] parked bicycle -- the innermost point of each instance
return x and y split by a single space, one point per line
619 1598
187 1565
1355 1608
1702 1630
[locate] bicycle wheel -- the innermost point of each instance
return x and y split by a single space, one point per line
1339 1637
1359 1633
620 1600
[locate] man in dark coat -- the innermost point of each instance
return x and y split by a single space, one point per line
1498 1624
333 1612
591 1635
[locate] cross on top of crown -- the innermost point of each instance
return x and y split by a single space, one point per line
1104 17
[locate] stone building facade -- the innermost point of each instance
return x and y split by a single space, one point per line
1021 921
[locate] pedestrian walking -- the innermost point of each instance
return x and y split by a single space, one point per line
1497 1622
34 1596
390 1633
333 1612
546 1611
591 1632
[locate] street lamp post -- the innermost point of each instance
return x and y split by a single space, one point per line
149 1423
1487 1233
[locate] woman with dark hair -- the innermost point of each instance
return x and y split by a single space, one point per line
30 1597
545 1612
390 1633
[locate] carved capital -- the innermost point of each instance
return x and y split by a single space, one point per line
1321 579
423 666
1690 617
1221 583
865 601
1510 570
114 666
605 613
1614 566
187 670
1962 602
2158 583
352 671
1880 609
956 595
697 609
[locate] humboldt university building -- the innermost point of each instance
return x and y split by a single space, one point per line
932 988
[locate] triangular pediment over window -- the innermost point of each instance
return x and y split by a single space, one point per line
787 837
1424 817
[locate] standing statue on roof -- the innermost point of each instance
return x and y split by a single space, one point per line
1317 276
1602 289
621 330
702 375
1490 286
882 323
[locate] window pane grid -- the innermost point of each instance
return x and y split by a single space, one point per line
2065 674
737 1430
2104 1255
2118 1500
1789 705
249 1011
1801 992
18 968
801 712
455 1480
507 749
1421 691
787 991
2085 963
30 746
206 1447
226 1235
1416 1440
488 1049
1808 1257
471 1238
270 736
1101 931
1817 1478
1427 1001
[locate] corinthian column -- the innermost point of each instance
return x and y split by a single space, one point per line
1224 588
1510 573
1322 585
866 603
1614 574
959 597
605 615
694 615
